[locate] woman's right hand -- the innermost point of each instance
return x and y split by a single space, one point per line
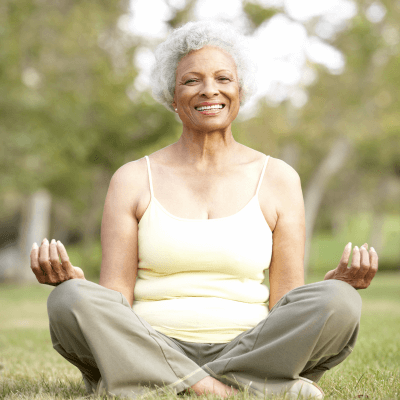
46 265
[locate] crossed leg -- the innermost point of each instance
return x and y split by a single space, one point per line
310 330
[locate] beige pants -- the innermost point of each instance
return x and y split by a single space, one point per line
310 330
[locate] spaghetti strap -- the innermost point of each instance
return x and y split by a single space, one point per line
262 175
150 180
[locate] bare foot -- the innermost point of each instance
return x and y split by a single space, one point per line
212 385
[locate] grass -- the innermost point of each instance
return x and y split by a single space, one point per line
31 369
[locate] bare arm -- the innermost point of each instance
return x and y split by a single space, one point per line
119 232
286 271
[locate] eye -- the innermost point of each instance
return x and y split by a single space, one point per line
223 78
190 81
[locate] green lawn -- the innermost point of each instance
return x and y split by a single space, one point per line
31 369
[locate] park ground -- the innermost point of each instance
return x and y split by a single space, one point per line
31 369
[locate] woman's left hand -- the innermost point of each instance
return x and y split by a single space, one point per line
364 265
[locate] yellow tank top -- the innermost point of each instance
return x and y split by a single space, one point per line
201 280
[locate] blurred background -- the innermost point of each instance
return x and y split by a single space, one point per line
75 105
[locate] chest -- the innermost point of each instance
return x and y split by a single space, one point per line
206 195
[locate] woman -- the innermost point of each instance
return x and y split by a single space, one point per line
187 235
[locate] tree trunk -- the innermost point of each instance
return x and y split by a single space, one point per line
35 227
290 153
376 239
92 217
376 236
315 190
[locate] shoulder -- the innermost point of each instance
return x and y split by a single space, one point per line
134 175
128 183
281 187
277 171
131 174
281 173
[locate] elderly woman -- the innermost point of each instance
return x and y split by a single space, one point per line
187 235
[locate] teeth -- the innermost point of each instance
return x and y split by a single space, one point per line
202 108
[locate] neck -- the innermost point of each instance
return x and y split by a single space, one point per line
203 150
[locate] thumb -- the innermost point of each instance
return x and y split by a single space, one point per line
344 261
79 273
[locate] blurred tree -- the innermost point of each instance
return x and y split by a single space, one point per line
69 113
257 14
363 104
360 104
181 16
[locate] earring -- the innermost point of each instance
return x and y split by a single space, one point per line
176 109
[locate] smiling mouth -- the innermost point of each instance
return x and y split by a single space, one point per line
214 107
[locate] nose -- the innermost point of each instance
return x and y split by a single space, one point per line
209 88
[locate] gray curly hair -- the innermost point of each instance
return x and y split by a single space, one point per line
194 36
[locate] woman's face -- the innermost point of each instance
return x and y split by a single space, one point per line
207 93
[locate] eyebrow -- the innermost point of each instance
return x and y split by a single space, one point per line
223 70
216 72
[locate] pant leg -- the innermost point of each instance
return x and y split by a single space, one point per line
97 331
310 330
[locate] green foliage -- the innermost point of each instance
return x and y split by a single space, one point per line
258 14
360 104
69 114
182 16
64 109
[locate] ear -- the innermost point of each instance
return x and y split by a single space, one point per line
240 94
174 104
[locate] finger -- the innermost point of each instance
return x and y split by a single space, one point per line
35 256
35 263
355 261
55 261
79 273
373 269
344 261
66 264
44 260
364 263
365 245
